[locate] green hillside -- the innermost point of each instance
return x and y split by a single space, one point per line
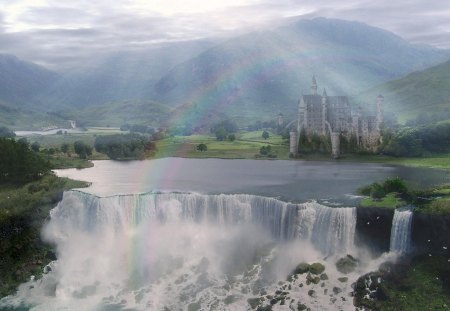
23 119
422 94
265 72
120 112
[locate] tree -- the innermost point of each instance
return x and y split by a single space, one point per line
228 125
265 150
265 134
6 132
35 146
124 146
231 137
221 133
65 147
202 147
82 149
18 164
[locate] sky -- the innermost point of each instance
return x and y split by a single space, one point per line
64 33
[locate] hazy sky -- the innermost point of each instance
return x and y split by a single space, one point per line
59 33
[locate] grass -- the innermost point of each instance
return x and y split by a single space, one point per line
424 286
55 141
185 146
24 210
389 201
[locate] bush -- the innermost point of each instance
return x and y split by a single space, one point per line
395 184
377 191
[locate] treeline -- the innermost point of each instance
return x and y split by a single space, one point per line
415 142
322 144
123 146
18 163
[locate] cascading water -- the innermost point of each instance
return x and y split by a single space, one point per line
401 231
165 251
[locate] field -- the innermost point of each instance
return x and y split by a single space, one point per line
246 146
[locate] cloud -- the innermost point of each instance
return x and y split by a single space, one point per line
56 33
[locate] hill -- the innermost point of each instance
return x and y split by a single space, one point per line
266 72
120 76
118 113
21 82
417 95
256 75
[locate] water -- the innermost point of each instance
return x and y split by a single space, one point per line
287 180
171 233
49 132
401 231
166 250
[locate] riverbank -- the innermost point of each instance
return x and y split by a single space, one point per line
24 210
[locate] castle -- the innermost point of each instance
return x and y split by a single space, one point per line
332 115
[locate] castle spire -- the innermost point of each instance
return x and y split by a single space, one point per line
324 93
314 86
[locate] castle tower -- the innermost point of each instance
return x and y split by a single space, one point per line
380 117
280 120
314 86
293 143
324 111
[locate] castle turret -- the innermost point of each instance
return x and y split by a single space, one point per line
314 86
380 117
324 111
293 143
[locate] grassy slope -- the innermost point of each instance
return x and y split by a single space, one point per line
424 286
22 214
426 91
389 201
246 146
122 112
25 119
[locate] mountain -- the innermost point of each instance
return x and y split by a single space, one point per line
266 72
121 76
118 113
420 93
256 75
21 82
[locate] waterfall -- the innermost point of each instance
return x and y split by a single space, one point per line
401 231
159 251
331 230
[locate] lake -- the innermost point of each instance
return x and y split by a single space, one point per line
287 180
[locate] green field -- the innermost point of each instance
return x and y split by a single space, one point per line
246 146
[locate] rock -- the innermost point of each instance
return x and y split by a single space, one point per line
346 264
324 276
312 293
301 268
301 307
312 279
195 306
337 290
316 268
343 279
254 302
